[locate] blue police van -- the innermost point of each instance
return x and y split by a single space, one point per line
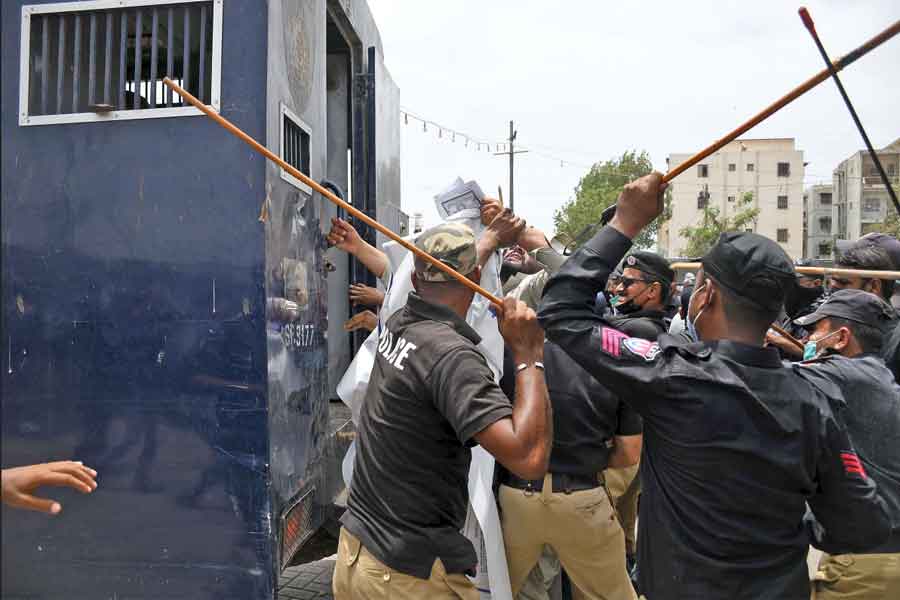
172 315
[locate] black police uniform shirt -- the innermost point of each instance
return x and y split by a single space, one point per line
735 446
648 324
586 415
430 392
891 353
872 415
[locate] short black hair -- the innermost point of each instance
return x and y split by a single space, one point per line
746 312
869 338
665 285
870 258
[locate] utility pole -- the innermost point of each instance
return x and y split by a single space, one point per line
512 153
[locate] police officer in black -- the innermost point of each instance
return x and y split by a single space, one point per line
736 445
846 339
569 509
642 295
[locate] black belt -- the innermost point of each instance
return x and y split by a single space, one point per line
562 482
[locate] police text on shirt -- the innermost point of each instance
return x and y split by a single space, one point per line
394 351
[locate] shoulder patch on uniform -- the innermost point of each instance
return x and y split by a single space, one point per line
852 464
612 340
640 347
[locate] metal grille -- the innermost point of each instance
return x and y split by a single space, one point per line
104 60
295 146
295 527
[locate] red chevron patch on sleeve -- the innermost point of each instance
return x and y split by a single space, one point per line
852 464
612 340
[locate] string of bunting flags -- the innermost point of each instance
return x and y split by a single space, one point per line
479 144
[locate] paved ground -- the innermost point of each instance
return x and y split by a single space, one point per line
307 582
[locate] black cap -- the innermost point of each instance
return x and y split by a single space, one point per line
747 264
651 264
854 305
888 243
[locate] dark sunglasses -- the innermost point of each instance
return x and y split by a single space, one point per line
627 282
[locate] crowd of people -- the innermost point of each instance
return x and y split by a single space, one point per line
655 436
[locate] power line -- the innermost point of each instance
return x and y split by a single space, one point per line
478 143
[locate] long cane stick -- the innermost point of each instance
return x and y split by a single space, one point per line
693 266
791 339
811 27
798 91
327 193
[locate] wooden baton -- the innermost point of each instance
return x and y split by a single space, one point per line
791 339
324 192
798 91
693 266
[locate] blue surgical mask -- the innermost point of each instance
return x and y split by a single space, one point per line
690 324
811 348
614 301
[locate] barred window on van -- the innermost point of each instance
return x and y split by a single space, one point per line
106 59
295 146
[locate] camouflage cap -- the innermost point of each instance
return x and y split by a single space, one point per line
451 243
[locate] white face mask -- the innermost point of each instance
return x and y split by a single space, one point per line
691 324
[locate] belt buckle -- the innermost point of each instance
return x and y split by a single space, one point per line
529 490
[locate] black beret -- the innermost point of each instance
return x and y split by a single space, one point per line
748 264
651 264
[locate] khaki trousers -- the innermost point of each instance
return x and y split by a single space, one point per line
625 486
360 576
858 577
581 527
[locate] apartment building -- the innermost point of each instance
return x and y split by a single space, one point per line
818 220
861 200
771 169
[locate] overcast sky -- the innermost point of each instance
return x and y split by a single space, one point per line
586 80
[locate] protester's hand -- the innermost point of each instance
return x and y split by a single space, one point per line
532 238
775 339
365 295
521 331
362 320
490 208
344 236
284 310
640 202
20 482
506 228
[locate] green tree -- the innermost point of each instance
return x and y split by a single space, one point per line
891 223
701 237
598 189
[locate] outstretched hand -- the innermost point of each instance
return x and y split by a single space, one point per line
20 482
361 294
490 208
362 320
506 227
344 236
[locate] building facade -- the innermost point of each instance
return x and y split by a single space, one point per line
818 205
861 201
769 169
